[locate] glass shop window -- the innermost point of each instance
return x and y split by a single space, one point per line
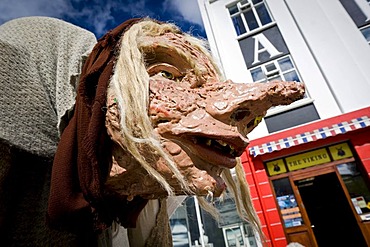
191 225
249 15
287 203
234 236
357 188
279 69
240 236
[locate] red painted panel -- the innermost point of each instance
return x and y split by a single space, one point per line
262 218
250 179
363 151
366 165
244 156
273 216
265 189
246 167
280 243
261 176
277 231
257 205
269 202
265 232
253 191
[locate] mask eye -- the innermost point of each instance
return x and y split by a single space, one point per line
167 75
167 71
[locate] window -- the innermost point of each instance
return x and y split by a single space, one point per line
366 32
280 69
357 188
189 225
291 118
249 15
286 200
359 10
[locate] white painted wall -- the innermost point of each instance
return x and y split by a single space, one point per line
332 56
339 49
223 39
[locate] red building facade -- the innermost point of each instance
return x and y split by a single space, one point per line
310 184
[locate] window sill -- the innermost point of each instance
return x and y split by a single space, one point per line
296 104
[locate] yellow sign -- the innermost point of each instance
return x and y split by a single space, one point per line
308 159
340 151
276 167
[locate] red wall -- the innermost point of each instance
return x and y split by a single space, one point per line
361 143
264 203
261 191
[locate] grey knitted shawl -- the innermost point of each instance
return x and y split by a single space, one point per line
40 63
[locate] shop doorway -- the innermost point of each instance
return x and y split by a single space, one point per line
332 220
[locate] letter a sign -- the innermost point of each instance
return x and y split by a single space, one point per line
263 47
260 40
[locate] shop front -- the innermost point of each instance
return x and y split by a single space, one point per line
311 184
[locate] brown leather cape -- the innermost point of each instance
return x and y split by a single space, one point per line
82 161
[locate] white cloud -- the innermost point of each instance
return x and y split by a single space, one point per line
10 9
188 9
97 13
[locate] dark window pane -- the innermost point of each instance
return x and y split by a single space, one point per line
263 14
356 186
257 74
274 78
238 24
291 118
282 187
251 20
286 200
291 76
366 33
270 67
285 64
233 9
256 1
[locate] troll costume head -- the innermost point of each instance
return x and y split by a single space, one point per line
154 118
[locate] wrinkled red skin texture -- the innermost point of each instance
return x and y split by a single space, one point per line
197 118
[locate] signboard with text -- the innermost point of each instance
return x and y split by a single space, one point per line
309 159
313 158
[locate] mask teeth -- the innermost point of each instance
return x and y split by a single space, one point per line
210 196
222 143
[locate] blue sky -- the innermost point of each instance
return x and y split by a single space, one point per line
101 16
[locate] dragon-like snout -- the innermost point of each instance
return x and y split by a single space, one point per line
243 104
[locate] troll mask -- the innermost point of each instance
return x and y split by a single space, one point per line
191 126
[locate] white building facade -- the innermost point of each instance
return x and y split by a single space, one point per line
324 44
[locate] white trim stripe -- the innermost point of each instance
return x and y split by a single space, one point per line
321 133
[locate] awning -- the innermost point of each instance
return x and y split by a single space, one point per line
321 133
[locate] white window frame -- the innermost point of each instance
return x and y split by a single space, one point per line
242 8
278 109
269 75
